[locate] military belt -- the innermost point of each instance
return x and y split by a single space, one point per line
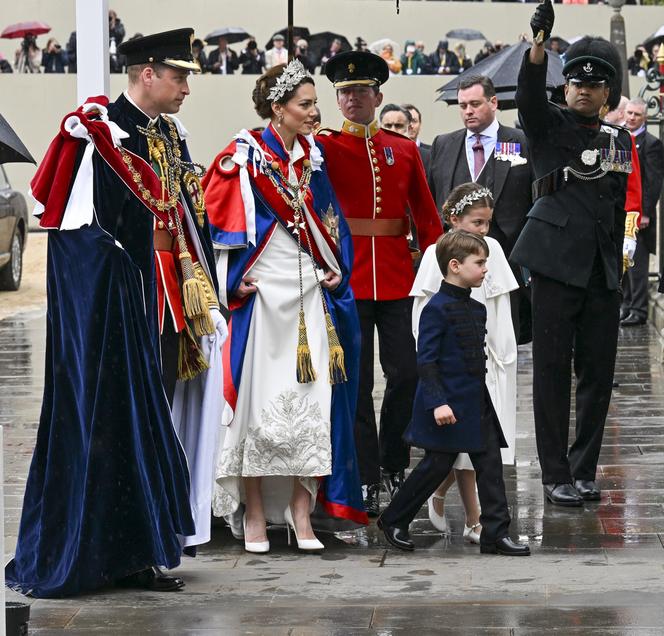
378 227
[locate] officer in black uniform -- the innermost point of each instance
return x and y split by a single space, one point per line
572 245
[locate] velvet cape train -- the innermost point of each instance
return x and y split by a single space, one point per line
233 226
107 493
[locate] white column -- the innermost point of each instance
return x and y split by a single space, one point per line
92 48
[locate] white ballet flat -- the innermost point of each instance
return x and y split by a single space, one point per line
257 547
471 534
437 521
307 545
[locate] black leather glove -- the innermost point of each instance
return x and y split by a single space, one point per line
542 20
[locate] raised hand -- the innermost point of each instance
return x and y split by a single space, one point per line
542 22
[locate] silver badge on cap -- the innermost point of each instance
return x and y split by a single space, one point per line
588 67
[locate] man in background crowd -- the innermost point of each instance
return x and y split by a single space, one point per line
395 118
443 61
252 59
278 54
223 61
414 134
634 310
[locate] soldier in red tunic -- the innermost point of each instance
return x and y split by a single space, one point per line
377 175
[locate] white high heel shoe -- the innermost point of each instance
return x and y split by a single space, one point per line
257 547
471 534
308 545
437 521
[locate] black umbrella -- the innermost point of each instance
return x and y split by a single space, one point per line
12 149
503 69
298 32
465 34
230 34
320 42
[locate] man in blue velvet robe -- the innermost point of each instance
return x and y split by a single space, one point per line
107 495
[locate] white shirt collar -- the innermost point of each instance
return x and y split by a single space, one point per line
490 131
153 120
638 131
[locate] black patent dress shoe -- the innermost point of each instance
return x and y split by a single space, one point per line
588 489
152 579
506 547
371 498
562 495
392 482
397 537
633 320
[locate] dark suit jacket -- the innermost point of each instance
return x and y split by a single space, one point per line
425 153
651 158
511 185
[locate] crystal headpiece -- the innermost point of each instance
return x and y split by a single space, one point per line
482 193
292 75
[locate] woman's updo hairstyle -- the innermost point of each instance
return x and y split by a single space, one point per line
262 105
464 198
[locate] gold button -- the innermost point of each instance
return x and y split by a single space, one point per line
160 225
378 178
378 199
376 169
371 142
378 188
375 160
373 152
379 210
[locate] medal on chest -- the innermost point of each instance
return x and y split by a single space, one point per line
389 155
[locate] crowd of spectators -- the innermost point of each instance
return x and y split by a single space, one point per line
222 59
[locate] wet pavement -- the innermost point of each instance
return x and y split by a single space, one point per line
595 570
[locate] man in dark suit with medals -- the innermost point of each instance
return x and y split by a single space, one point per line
573 245
634 309
494 155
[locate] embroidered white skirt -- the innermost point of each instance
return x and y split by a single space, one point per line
281 429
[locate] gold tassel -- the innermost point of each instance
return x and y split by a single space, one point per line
191 360
337 366
305 367
203 325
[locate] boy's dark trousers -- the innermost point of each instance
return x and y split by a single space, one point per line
435 466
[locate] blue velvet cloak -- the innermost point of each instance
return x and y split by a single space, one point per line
108 488
341 494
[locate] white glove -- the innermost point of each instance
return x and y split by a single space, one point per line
629 247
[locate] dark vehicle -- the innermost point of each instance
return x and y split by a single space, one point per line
13 234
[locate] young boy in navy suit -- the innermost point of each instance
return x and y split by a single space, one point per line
452 412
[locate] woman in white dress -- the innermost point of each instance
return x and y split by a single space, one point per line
470 207
291 359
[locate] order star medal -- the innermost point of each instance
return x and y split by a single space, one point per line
589 157
389 155
331 223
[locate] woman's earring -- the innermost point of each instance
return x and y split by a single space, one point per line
281 118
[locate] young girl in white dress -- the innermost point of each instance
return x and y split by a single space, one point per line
470 207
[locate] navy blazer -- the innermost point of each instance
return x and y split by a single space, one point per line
451 367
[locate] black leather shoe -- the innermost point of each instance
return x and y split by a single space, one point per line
371 496
505 546
633 320
397 537
588 489
151 579
392 482
562 495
